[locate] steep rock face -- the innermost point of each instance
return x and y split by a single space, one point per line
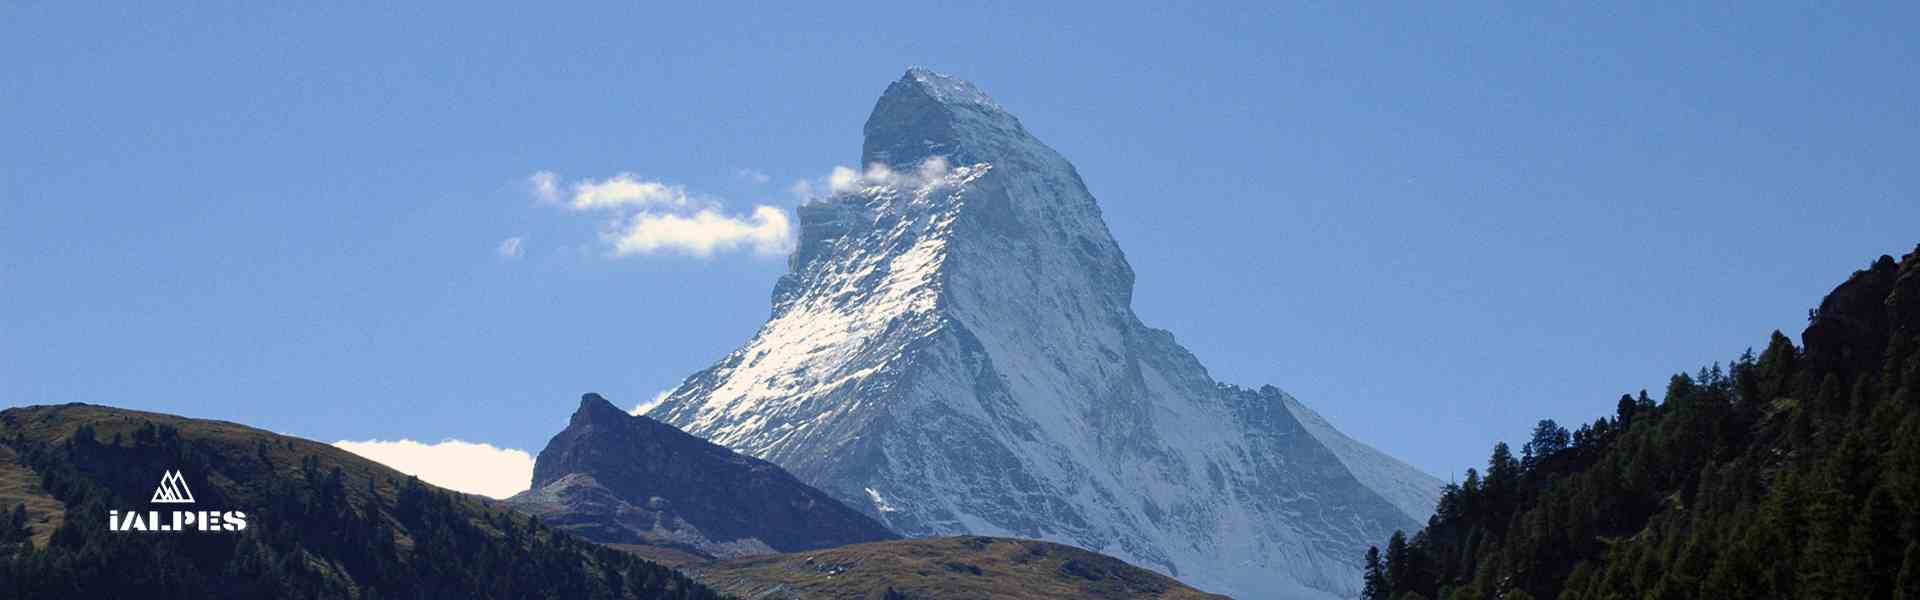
1854 323
616 478
955 351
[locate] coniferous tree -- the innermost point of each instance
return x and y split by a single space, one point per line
1623 411
1399 567
1875 548
1375 586
1549 438
1503 474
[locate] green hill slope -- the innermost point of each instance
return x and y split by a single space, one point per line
319 522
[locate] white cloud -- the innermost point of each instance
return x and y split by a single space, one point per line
767 230
643 407
509 248
933 169
545 186
625 189
469 467
752 175
644 217
844 179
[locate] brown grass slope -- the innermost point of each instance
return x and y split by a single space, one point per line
946 568
52 424
20 486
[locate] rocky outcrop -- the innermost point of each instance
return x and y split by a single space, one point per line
617 478
1850 330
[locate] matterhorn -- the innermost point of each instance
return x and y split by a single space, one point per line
953 350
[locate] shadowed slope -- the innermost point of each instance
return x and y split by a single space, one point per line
616 478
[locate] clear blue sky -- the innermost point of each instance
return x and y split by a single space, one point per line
1434 227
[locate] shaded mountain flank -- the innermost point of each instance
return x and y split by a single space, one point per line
631 481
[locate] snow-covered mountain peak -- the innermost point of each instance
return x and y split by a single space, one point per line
954 350
926 114
948 89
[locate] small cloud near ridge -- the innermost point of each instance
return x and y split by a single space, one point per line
470 467
650 217
767 231
643 407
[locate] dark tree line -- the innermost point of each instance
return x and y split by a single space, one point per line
308 536
1791 474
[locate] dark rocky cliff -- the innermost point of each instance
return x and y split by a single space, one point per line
623 479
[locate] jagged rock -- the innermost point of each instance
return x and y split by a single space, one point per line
1855 322
617 478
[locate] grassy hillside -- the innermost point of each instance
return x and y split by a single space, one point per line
322 523
947 568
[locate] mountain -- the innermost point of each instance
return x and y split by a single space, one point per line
1791 474
250 514
946 568
954 351
629 480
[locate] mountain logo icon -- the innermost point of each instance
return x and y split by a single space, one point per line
173 489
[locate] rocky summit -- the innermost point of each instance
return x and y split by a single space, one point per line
630 481
954 351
